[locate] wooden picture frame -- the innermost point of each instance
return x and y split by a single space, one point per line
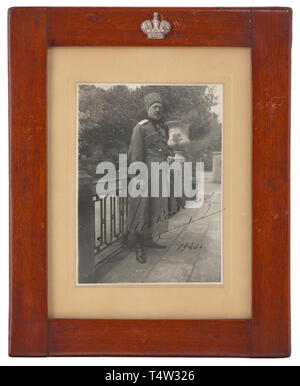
267 31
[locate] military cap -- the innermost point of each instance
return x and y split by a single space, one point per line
152 98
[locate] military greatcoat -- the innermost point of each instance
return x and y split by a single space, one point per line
148 216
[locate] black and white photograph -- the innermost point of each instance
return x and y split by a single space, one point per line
149 183
150 207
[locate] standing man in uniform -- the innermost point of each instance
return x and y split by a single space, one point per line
147 216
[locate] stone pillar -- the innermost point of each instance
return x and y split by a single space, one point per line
85 227
178 141
217 167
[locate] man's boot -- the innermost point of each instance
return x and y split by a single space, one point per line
140 254
139 250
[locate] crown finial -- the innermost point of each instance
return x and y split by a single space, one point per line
154 28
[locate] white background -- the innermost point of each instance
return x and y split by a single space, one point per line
294 360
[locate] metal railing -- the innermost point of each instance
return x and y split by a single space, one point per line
110 219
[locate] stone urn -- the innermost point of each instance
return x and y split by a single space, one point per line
178 138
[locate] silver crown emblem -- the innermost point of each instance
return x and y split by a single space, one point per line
154 28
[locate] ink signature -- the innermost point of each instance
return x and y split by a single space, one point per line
189 245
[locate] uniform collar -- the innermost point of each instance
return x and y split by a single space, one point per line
155 122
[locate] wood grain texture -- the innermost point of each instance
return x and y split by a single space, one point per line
121 27
271 142
28 217
268 32
149 338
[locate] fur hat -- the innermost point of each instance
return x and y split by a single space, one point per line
152 98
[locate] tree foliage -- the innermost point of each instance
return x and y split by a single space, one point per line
107 117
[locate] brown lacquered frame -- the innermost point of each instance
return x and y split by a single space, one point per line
268 32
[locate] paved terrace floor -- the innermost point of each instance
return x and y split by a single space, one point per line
192 253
